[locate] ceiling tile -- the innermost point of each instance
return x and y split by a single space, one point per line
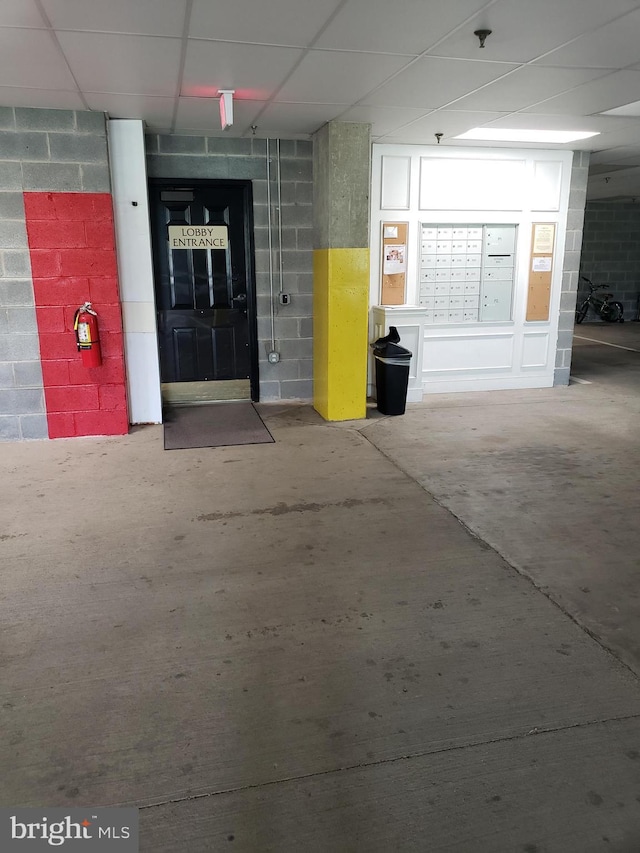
524 30
628 155
338 76
150 17
203 114
146 107
405 26
283 119
433 82
21 13
40 99
596 96
142 65
31 58
254 71
612 46
383 120
448 122
526 86
283 22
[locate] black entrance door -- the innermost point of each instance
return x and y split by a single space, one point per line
205 299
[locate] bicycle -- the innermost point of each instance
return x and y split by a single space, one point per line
602 304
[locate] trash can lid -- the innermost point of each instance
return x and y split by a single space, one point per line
390 350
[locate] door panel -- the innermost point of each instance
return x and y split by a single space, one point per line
205 300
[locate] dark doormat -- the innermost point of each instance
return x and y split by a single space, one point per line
214 425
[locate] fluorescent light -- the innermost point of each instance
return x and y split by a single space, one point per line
499 134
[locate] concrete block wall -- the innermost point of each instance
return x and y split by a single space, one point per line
571 265
611 252
41 151
227 158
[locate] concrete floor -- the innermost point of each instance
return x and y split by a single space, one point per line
416 633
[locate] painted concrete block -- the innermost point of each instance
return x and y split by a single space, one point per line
9 428
13 234
76 148
10 176
91 122
7 379
17 401
7 118
52 176
14 292
21 320
11 205
40 119
95 177
19 347
23 146
28 374
33 427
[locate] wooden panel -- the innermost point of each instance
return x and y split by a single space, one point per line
394 257
540 271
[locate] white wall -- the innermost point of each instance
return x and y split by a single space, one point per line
440 185
135 270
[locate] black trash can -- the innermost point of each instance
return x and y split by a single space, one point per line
392 374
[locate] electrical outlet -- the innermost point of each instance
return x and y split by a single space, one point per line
274 357
284 298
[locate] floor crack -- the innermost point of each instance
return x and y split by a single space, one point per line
535 732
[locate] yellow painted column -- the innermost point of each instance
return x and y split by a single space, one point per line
340 331
341 270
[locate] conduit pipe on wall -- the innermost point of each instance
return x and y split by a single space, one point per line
270 236
280 276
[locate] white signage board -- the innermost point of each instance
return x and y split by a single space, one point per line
198 237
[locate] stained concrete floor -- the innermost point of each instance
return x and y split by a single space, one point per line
415 633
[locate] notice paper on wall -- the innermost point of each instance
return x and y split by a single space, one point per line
393 272
541 265
539 293
543 237
395 259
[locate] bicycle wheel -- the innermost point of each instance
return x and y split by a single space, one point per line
581 312
612 312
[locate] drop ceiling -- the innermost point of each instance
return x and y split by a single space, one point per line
412 68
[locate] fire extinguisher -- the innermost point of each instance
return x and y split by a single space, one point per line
85 324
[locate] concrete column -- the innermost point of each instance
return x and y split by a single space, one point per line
341 160
571 265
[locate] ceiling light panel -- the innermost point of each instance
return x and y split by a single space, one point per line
497 134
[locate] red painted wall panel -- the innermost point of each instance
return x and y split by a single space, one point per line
73 260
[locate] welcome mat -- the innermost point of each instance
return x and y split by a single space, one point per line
214 425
